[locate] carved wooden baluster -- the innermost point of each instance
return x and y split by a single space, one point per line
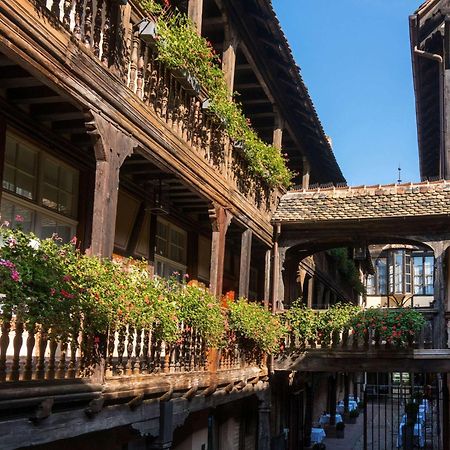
40 367
144 363
52 359
4 343
134 61
31 340
165 94
98 27
140 73
110 351
106 35
88 23
146 71
121 350
72 368
78 15
153 82
17 345
67 7
55 8
61 370
130 348
138 347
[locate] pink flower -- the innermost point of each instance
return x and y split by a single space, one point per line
52 292
18 218
15 275
74 241
66 294
67 278
6 223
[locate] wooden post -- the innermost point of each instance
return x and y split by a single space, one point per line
264 408
195 13
346 391
2 151
439 296
310 299
332 400
220 221
267 279
309 410
306 170
152 244
165 437
229 56
111 146
276 268
278 130
244 270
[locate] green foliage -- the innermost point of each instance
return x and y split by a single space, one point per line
180 47
347 268
251 321
301 321
393 326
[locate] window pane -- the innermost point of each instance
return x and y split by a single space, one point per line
10 155
8 178
66 181
48 227
25 185
10 212
50 197
381 267
370 285
26 160
398 272
428 272
418 275
51 171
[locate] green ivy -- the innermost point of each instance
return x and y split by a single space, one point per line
347 268
180 47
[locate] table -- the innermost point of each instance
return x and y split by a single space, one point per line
317 435
352 405
419 436
325 419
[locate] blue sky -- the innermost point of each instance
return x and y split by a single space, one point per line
355 59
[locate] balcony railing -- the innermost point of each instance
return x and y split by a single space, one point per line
27 354
112 35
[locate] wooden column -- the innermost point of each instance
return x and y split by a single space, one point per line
305 174
332 400
278 130
244 268
152 244
166 425
439 324
309 407
2 151
310 298
264 409
229 56
111 146
268 261
276 268
195 13
346 391
220 221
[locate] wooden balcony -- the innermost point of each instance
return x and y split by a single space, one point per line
93 52
342 351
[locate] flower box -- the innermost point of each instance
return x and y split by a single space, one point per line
188 81
147 30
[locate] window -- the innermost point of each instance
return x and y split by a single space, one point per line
39 190
423 266
170 255
402 272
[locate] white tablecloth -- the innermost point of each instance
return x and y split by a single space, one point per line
419 436
352 405
325 419
317 435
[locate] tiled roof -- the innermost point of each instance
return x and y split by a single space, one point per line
365 202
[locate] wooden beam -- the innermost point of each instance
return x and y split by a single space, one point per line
278 130
244 269
229 56
195 13
2 151
267 272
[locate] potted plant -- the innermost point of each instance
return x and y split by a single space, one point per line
340 427
353 415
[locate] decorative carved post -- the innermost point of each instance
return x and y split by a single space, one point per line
112 146
195 13
229 56
310 299
264 408
332 399
246 254
220 220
